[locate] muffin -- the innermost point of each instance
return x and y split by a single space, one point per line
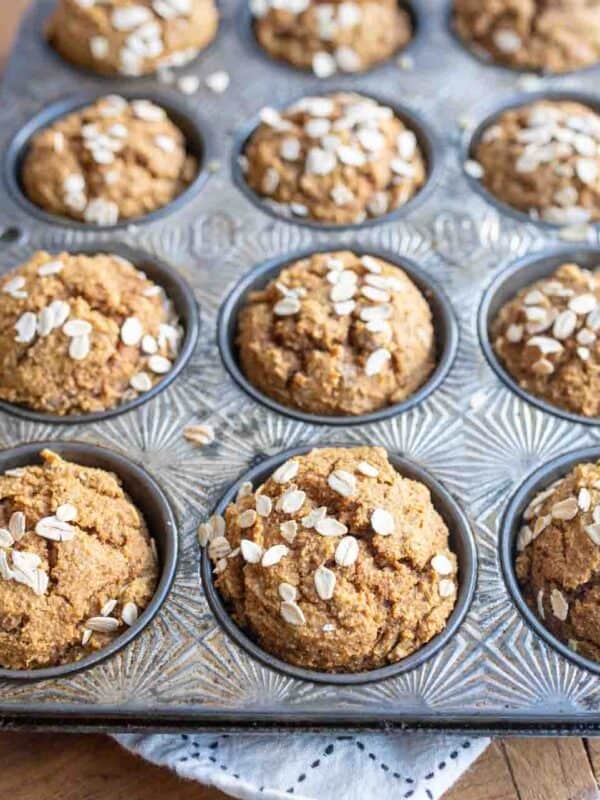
82 333
77 564
113 160
131 37
336 563
550 36
558 559
338 159
337 334
546 338
331 36
544 159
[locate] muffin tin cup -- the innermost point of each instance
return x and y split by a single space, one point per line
195 131
245 27
444 320
486 59
509 528
489 116
504 287
177 289
461 541
428 141
148 497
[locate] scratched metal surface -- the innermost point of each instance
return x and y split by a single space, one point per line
495 674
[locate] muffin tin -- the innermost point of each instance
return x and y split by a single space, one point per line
473 434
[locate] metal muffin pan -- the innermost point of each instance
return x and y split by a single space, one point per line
444 320
183 671
513 520
489 116
461 542
430 147
195 132
148 497
247 34
504 287
177 289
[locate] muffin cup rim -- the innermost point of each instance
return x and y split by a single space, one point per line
428 140
228 315
508 68
459 528
421 26
484 321
487 114
511 521
190 316
27 454
52 111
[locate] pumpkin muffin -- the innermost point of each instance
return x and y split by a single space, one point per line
82 333
111 161
77 564
337 334
547 339
330 36
339 159
543 159
558 559
131 37
336 563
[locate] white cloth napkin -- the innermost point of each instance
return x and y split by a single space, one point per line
284 766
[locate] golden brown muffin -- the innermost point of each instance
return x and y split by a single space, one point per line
77 563
546 337
546 35
558 559
336 563
111 161
337 334
330 36
337 159
544 159
131 37
82 333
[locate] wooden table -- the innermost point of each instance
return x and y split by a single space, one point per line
80 767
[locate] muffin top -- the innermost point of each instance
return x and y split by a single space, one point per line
338 159
336 563
546 337
337 333
544 159
558 559
547 35
77 564
82 333
113 160
331 36
131 37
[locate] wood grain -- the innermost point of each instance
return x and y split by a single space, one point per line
80 767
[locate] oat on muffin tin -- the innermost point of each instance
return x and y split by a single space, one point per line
547 339
337 333
338 159
336 563
77 564
110 161
331 36
131 37
543 159
547 35
82 333
558 559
